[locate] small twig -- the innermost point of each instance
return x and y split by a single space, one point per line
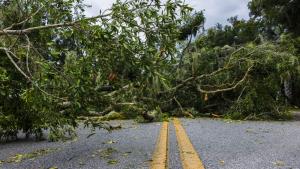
238 99
24 21
183 52
116 91
27 55
181 109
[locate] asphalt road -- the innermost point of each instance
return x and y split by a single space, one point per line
245 145
221 144
128 148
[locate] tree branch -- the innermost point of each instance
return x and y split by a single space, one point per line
59 25
195 78
8 54
27 55
229 88
183 52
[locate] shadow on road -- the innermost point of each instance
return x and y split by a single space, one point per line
22 139
296 116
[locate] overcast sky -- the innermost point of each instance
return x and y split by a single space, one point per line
216 11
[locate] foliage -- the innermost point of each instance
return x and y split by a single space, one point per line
57 64
244 82
237 33
26 106
270 37
281 14
193 23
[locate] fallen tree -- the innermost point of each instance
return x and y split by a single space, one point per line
246 83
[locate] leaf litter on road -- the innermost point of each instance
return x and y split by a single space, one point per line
32 155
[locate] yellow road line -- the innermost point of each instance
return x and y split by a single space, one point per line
189 157
160 155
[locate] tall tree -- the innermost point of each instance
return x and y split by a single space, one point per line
281 13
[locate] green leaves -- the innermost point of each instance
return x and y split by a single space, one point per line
279 15
3 74
131 44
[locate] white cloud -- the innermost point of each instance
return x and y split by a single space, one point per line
216 11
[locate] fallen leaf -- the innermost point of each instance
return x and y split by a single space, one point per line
53 167
81 163
111 142
126 153
107 153
258 141
250 131
111 162
228 121
222 162
279 163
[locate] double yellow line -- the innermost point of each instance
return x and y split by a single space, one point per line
189 157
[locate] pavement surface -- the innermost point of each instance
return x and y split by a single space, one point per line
221 144
226 144
174 157
128 148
